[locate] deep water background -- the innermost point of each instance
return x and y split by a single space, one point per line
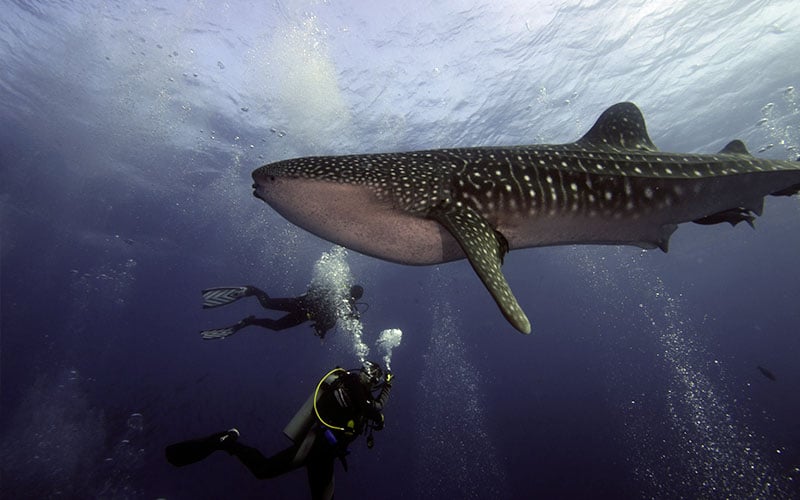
128 132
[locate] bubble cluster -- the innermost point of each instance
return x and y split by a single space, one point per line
705 451
448 439
387 341
331 282
778 120
56 435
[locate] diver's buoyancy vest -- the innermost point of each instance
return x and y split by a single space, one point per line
337 409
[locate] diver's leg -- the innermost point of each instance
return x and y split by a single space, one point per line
288 304
320 476
194 450
265 467
288 321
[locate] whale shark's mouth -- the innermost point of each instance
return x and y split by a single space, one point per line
265 183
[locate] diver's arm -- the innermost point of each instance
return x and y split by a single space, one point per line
375 406
383 397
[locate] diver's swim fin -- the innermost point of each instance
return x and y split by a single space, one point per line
218 333
215 297
226 331
194 450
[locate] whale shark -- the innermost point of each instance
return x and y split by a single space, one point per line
612 186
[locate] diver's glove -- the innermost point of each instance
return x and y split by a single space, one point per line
389 378
379 423
226 439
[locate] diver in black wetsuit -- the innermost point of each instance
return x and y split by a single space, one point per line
315 305
341 408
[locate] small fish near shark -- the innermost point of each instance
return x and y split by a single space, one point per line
613 186
767 373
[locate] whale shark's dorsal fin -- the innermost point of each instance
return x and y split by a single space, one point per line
619 127
735 147
484 248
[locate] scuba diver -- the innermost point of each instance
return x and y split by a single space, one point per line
316 305
340 409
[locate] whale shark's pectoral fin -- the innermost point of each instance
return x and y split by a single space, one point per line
484 248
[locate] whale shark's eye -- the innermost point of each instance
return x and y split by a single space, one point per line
272 178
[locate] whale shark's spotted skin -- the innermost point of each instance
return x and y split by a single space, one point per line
612 186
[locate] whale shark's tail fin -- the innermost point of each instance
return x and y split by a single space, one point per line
215 297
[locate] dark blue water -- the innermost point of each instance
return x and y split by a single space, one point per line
128 136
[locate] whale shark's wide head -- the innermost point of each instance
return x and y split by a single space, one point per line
612 186
368 203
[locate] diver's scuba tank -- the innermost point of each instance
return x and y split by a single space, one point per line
300 428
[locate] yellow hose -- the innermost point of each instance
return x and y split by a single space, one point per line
316 394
